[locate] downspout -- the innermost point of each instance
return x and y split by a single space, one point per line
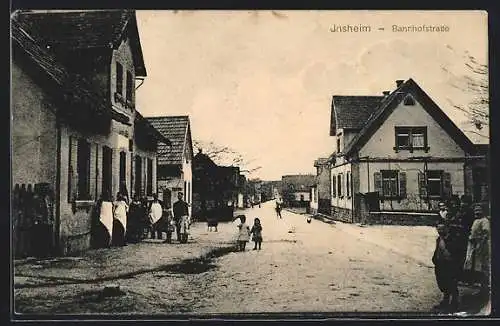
426 185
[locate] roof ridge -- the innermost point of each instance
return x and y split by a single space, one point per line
167 116
357 96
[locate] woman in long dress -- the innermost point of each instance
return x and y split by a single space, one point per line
104 225
478 249
120 220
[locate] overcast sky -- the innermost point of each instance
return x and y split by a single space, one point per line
262 83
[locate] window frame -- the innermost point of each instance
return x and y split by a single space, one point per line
83 191
393 178
339 186
434 179
410 131
334 186
348 184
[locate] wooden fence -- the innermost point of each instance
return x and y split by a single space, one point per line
33 220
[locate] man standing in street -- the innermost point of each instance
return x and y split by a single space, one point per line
180 209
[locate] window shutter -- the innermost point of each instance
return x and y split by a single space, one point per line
422 186
92 171
447 191
402 184
377 179
98 172
72 171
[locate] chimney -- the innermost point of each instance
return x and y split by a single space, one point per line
399 82
386 93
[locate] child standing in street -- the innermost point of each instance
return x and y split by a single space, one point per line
257 233
243 233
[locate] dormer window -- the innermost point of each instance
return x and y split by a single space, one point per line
411 138
338 144
409 100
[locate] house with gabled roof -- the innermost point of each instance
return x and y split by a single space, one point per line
75 126
322 202
296 189
400 146
174 172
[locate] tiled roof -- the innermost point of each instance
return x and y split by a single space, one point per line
70 88
142 125
390 102
300 181
83 30
174 128
352 112
321 161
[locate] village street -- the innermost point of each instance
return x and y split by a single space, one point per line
316 267
302 267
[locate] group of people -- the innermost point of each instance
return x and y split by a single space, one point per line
244 233
462 251
121 222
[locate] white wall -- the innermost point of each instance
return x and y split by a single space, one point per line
344 201
413 201
382 143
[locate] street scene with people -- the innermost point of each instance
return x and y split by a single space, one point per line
161 171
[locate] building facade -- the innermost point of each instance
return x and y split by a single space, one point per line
174 161
75 125
296 189
323 190
401 146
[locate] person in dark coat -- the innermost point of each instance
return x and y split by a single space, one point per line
447 266
180 209
136 215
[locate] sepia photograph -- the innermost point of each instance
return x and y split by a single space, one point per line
249 163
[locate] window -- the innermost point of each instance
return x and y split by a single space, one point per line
409 100
410 138
149 176
348 184
334 186
123 158
119 78
338 144
83 169
390 184
138 176
339 185
107 171
434 184
130 87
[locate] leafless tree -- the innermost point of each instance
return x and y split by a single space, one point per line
225 155
475 82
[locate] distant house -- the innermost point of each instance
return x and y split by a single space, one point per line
175 160
216 188
296 189
76 130
400 146
313 204
323 190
